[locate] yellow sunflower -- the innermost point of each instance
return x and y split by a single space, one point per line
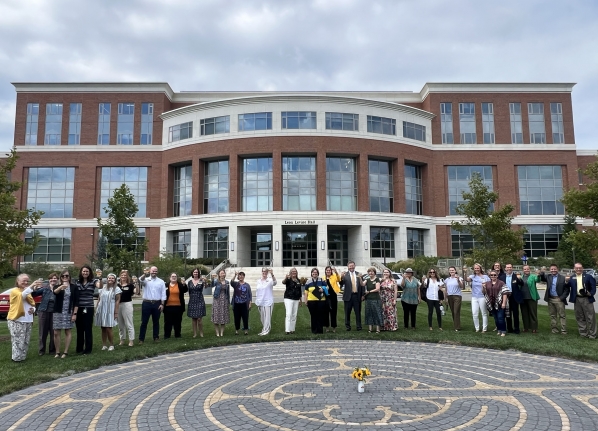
360 375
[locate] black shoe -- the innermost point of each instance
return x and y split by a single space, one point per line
348 329
359 329
517 331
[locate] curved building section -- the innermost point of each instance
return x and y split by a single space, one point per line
291 179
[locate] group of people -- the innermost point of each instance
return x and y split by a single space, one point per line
502 293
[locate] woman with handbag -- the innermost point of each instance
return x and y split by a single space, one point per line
433 286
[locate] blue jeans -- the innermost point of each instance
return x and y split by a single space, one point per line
150 309
499 320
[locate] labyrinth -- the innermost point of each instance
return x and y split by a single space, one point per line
307 385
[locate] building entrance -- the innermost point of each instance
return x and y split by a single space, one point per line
338 247
299 247
261 248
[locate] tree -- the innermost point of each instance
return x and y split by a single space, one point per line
490 226
124 250
571 249
584 203
13 221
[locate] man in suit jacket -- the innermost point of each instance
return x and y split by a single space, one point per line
352 294
583 289
557 290
514 284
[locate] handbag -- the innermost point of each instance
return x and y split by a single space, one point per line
423 290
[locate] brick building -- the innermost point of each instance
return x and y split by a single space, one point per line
292 179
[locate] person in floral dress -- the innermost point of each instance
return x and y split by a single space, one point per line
388 294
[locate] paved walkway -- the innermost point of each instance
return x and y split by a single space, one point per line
307 385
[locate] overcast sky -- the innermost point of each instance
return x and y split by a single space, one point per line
302 45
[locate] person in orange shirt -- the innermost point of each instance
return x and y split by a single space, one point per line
20 316
175 306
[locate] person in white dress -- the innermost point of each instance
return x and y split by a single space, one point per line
107 310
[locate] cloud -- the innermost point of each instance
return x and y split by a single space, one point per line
308 45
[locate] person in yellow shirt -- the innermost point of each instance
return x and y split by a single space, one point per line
333 279
20 316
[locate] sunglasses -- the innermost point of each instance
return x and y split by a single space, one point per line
432 272
65 276
493 275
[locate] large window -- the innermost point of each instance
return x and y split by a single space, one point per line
341 121
381 191
31 124
556 117
540 190
467 123
414 131
461 243
181 240
382 242
53 124
139 239
214 125
299 183
540 240
183 191
215 243
516 123
104 124
458 182
341 184
255 121
180 132
216 183
386 126
537 131
75 124
256 193
147 123
446 123
299 120
413 190
488 122
51 190
415 243
54 245
124 128
134 177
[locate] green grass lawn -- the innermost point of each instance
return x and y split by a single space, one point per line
37 369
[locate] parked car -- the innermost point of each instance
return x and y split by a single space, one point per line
5 302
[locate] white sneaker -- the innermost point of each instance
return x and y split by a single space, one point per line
104 348
111 348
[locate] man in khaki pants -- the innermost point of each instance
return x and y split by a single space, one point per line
557 290
583 289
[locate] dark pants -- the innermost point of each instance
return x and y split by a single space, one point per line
431 306
46 328
240 311
529 314
150 309
354 303
173 317
409 311
499 320
84 329
333 309
513 319
318 311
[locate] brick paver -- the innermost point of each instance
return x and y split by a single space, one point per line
307 385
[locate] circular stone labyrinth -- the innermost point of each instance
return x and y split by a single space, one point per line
307 385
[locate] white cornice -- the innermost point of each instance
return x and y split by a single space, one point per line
296 97
495 87
505 147
587 152
88 148
94 87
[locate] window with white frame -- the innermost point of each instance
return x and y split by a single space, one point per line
75 124
467 123
382 242
216 186
51 190
413 190
341 184
446 123
342 121
147 123
104 124
136 180
488 122
183 191
214 125
556 116
541 240
181 243
299 120
180 132
381 190
414 131
537 131
53 124
516 123
415 243
299 183
124 127
256 184
31 124
385 126
540 190
255 121
54 245
458 182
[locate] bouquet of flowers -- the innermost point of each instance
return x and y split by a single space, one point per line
361 373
